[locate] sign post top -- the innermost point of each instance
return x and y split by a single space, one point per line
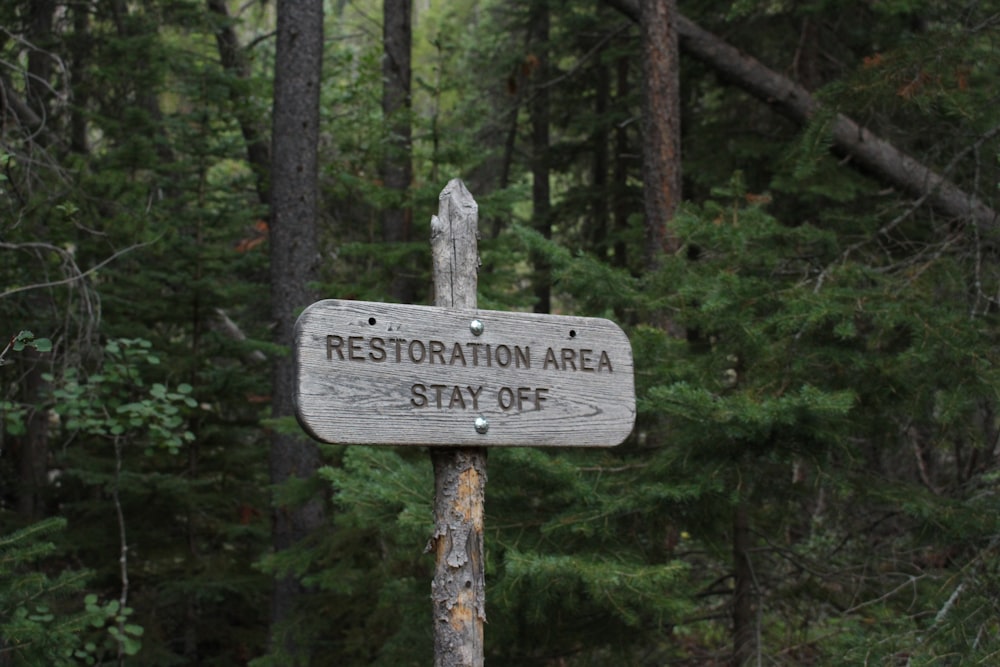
397 374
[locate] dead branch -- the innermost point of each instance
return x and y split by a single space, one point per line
889 163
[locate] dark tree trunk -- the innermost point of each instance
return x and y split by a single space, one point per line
661 151
33 452
396 168
516 84
38 85
621 162
744 604
80 55
34 445
294 257
235 62
602 159
539 110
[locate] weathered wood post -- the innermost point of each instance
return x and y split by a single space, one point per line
459 379
458 589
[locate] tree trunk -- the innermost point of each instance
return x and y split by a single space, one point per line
877 156
744 604
38 84
458 589
621 170
661 153
601 160
80 56
235 63
396 168
294 256
33 452
539 111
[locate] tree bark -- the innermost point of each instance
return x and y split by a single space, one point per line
235 62
80 56
34 444
397 168
34 451
540 190
744 605
877 156
661 153
38 84
294 256
601 160
621 170
458 589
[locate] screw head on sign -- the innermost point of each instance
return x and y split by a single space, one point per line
476 327
482 425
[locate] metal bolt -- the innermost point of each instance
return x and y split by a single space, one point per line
476 327
482 425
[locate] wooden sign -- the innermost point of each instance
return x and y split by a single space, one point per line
380 373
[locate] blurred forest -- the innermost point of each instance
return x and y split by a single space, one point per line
789 206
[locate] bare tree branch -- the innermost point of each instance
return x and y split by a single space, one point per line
76 274
889 163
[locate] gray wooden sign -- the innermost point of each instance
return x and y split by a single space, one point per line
381 373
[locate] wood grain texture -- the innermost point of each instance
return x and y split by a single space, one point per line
455 248
458 589
377 373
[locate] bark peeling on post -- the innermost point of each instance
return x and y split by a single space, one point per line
458 589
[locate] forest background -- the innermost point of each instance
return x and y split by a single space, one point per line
789 206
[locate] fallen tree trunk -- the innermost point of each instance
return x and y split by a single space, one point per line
876 155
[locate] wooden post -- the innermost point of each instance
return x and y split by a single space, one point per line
588 401
458 589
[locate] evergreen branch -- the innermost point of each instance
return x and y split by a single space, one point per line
885 229
578 65
43 527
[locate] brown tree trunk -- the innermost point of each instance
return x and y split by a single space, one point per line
38 84
396 168
744 602
34 445
661 151
601 162
33 452
540 189
877 156
80 54
235 62
294 256
621 170
458 589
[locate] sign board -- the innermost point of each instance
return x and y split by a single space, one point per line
395 374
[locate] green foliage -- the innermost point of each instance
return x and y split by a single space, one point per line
42 620
114 403
26 339
820 356
122 636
